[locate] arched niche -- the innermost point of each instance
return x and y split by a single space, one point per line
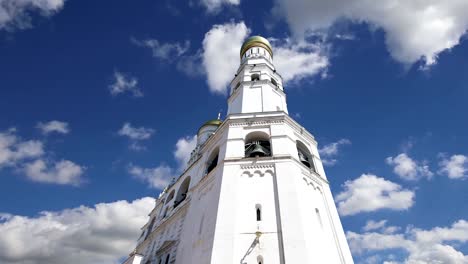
170 197
305 156
212 161
257 144
182 192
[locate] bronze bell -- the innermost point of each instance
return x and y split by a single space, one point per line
304 159
258 151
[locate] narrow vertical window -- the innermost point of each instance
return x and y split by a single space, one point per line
258 211
167 259
317 212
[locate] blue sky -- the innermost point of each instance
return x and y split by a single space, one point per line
99 105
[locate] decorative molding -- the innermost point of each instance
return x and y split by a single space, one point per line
257 166
255 123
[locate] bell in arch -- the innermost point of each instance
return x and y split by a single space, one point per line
304 159
255 149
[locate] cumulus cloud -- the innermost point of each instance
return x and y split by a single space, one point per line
371 193
298 61
455 167
16 14
221 47
380 225
29 157
184 147
407 168
63 172
135 134
422 246
14 150
215 5
53 126
414 29
295 60
329 151
374 225
160 176
124 83
219 56
103 234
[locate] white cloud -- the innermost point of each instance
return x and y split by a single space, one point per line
14 150
373 225
371 193
215 5
135 134
123 83
101 234
164 51
407 168
297 61
422 246
184 148
29 158
158 177
380 225
54 126
413 29
455 168
330 150
17 14
63 172
221 47
175 53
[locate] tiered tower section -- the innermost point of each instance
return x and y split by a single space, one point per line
254 191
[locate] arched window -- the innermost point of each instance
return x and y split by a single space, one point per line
273 81
165 212
170 196
150 228
258 212
304 155
213 161
257 144
255 77
182 192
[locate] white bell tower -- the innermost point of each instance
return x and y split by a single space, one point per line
257 87
254 191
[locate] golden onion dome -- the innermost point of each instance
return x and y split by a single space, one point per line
256 41
214 122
